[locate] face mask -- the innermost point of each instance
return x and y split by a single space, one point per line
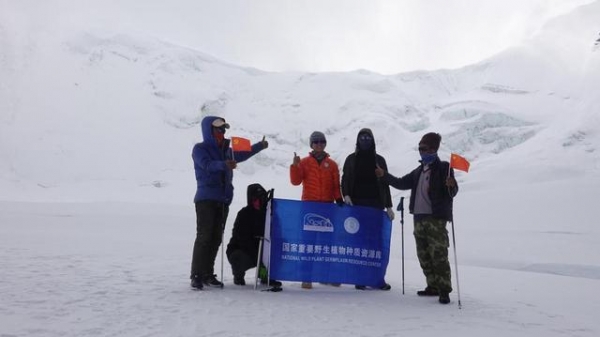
428 158
218 135
365 142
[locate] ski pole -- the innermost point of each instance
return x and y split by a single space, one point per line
401 209
456 266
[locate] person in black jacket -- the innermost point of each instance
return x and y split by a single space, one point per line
248 228
360 185
433 187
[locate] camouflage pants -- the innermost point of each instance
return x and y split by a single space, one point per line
432 242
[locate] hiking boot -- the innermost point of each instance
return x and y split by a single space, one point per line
428 291
196 283
306 285
385 286
239 280
273 283
444 298
331 284
211 281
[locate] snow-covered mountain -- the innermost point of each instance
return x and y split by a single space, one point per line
113 115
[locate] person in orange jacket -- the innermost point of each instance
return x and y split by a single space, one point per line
319 176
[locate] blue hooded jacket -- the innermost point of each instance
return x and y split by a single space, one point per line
213 178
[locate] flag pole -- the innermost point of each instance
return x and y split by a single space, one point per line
454 245
223 237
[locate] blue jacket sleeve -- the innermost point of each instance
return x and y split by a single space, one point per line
241 156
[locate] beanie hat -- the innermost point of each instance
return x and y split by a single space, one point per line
432 140
316 136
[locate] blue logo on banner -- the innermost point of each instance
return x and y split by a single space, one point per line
317 223
322 242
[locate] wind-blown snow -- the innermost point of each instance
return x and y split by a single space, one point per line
96 185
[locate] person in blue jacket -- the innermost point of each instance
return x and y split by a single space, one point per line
214 162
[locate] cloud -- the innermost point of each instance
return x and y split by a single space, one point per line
327 35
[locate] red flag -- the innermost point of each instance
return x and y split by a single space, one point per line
240 144
459 163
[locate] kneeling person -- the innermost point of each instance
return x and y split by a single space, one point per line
249 226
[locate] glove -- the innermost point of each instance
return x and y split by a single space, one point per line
339 202
231 164
390 213
347 200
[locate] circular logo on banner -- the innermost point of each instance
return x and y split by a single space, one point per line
351 225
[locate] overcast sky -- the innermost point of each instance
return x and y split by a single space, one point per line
386 36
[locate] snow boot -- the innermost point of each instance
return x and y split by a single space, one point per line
331 284
428 291
386 286
196 283
272 283
239 280
211 281
444 297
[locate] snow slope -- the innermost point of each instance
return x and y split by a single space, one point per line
133 106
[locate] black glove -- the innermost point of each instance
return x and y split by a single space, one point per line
340 202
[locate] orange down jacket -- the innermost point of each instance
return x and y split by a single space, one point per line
319 182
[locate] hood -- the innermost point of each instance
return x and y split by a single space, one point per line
256 190
207 135
368 131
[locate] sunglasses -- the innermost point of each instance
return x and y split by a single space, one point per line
365 137
424 148
319 142
220 129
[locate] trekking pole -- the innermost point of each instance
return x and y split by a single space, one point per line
267 235
222 243
222 253
401 209
269 263
260 245
456 266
